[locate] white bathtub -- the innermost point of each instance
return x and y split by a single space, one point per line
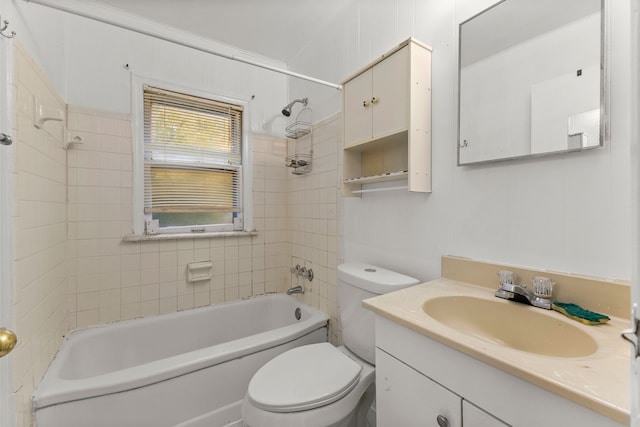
190 368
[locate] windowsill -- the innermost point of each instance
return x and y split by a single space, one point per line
176 236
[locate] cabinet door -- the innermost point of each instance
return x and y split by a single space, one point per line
390 94
357 109
405 397
473 416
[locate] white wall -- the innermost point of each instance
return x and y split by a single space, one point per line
87 62
568 212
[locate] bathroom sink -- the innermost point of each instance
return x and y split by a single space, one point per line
511 324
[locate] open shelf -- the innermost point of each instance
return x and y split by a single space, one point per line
389 176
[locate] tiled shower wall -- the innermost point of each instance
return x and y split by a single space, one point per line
316 229
296 218
114 280
40 233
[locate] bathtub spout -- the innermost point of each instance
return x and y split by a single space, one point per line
295 290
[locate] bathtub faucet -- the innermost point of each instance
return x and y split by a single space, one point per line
295 290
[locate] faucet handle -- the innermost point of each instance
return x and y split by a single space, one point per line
305 272
507 277
542 286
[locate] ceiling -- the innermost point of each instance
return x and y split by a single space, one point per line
277 29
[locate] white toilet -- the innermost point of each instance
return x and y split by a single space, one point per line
319 384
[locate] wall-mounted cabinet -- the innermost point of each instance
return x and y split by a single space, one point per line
387 120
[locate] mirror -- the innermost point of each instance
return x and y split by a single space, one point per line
531 80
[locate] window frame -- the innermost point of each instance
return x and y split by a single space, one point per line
137 122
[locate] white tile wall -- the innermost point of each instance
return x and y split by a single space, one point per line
40 234
113 280
316 230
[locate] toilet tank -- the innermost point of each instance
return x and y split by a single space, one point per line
356 282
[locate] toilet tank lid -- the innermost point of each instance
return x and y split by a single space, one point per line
374 279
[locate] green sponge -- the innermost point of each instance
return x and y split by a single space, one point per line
580 314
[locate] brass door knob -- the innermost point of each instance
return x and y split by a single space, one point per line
8 341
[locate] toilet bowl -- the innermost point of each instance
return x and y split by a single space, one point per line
324 386
320 385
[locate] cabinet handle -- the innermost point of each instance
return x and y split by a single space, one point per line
365 104
374 100
442 421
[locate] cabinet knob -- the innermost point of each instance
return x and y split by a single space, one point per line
442 421
374 100
365 103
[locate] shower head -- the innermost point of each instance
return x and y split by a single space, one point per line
286 111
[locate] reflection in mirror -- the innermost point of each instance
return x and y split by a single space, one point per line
531 80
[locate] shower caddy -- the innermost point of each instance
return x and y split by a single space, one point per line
299 136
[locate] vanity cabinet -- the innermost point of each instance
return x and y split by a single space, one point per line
387 120
407 397
476 417
419 379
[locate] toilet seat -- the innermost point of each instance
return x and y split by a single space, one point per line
303 378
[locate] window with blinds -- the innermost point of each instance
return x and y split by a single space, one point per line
192 162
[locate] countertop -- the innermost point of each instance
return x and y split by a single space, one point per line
599 381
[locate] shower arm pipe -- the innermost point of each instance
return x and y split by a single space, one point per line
82 10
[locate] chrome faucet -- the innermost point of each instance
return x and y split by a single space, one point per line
295 290
540 297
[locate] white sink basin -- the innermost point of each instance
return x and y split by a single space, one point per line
512 324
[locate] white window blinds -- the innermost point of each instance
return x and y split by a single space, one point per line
192 159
